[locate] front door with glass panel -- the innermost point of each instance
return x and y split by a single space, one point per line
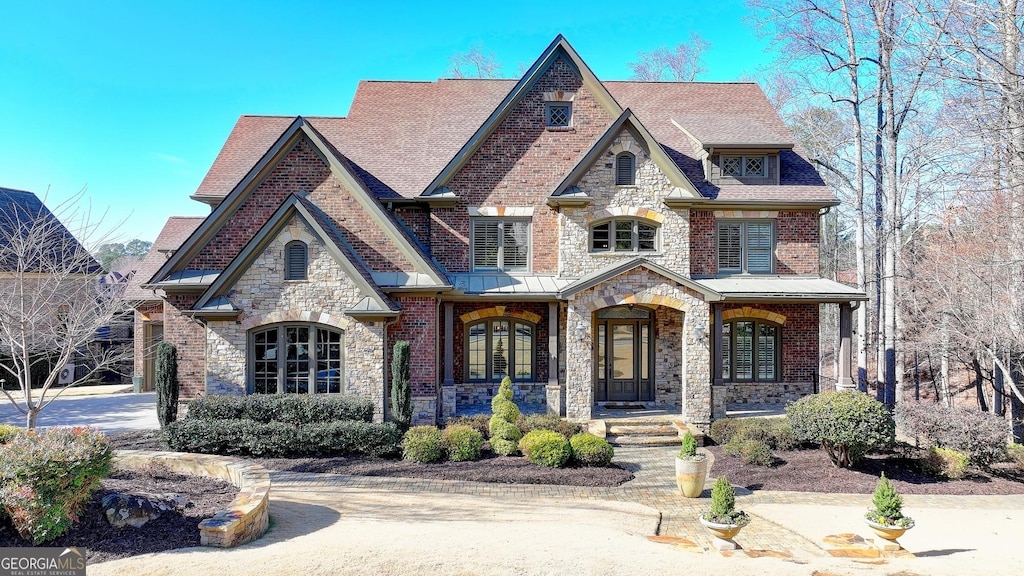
623 368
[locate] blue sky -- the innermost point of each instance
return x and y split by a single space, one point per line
133 100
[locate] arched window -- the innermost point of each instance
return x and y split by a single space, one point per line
624 235
296 359
500 347
625 169
751 351
296 260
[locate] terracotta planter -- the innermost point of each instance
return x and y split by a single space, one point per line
723 531
890 533
690 476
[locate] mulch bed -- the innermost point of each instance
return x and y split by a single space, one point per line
490 468
172 530
812 471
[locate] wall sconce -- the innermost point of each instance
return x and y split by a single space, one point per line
581 332
699 331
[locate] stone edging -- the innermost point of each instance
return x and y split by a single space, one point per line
245 519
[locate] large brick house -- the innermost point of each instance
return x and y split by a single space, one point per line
599 242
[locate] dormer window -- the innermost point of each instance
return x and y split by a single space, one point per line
558 114
744 169
625 169
743 166
296 260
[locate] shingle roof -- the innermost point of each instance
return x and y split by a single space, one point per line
400 135
174 232
24 217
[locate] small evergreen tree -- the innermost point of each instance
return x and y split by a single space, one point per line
723 505
401 392
888 506
505 435
166 383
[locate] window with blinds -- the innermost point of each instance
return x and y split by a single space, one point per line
625 169
296 260
500 244
746 246
750 351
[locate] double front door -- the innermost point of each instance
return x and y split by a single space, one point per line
623 367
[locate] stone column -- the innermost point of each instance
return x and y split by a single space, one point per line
844 378
553 392
579 384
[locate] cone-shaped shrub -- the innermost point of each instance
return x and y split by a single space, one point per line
166 383
505 434
401 392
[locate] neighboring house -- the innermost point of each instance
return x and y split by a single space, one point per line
598 242
149 324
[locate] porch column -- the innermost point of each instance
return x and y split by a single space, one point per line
845 380
448 386
553 392
718 389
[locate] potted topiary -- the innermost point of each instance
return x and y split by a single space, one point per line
722 519
691 468
886 518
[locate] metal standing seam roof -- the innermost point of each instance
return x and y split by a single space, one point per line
804 288
507 284
174 232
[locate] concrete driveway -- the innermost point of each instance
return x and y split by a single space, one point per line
110 413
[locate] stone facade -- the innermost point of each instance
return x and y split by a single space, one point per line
644 201
266 298
691 393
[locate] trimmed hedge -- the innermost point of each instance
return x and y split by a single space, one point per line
533 422
589 450
294 409
981 435
47 480
278 439
546 447
478 422
462 443
777 433
756 452
423 444
847 424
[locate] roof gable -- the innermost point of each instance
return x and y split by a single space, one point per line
559 48
33 239
340 168
213 301
620 268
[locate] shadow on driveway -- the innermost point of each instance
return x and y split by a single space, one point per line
110 413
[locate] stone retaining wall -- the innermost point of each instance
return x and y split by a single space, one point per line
245 519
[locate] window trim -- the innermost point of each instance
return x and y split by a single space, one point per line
632 168
547 115
634 240
288 260
281 327
744 247
488 346
500 264
755 352
743 165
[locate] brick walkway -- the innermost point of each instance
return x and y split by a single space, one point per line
654 486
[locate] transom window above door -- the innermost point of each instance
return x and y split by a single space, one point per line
624 235
500 244
296 359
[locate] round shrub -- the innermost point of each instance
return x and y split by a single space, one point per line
506 409
546 447
423 444
946 462
1015 452
462 443
847 424
723 429
502 429
7 432
479 422
756 452
589 450
532 422
980 435
504 447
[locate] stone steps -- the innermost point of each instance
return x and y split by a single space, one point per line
638 440
643 431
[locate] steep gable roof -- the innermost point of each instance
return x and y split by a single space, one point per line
174 232
32 239
214 302
340 168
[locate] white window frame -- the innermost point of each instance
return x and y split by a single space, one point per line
634 239
744 246
500 264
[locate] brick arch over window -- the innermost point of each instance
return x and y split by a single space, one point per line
753 313
295 315
499 311
641 299
627 211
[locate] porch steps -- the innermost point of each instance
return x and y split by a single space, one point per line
641 432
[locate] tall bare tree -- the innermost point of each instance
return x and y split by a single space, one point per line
474 63
682 63
52 305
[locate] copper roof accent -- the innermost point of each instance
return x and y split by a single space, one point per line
174 232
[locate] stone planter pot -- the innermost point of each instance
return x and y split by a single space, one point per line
890 533
690 476
722 531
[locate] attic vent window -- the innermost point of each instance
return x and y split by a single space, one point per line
625 170
296 260
558 114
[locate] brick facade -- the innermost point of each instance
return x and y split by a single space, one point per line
189 337
418 325
796 240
